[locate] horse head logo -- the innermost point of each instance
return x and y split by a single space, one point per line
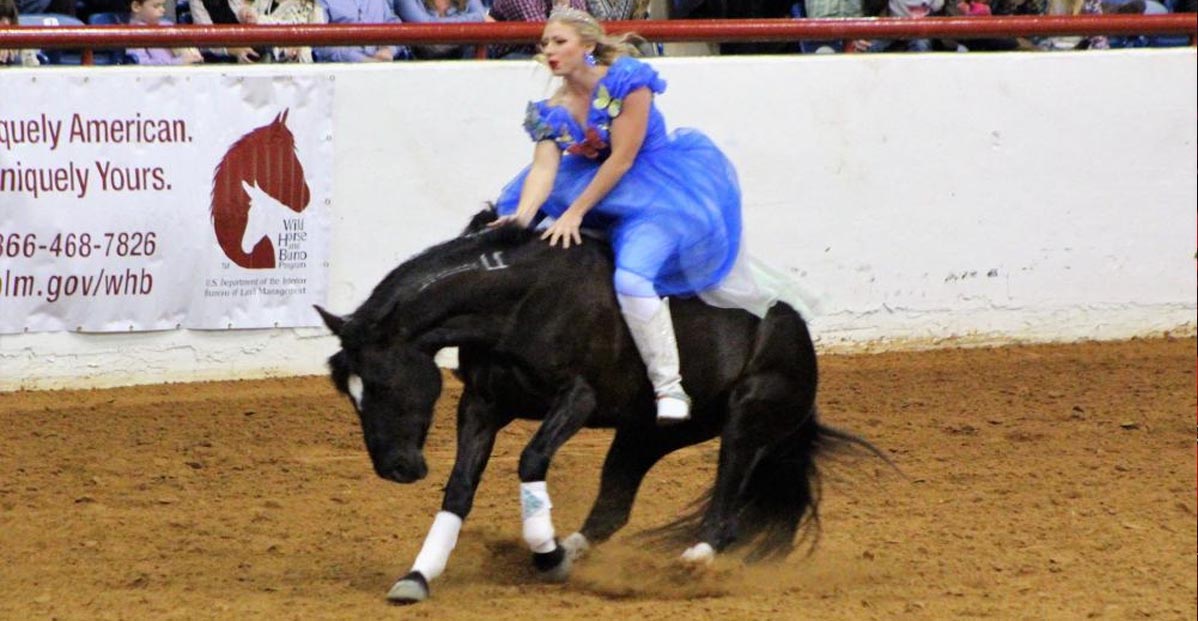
258 183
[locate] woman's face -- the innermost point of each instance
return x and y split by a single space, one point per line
563 49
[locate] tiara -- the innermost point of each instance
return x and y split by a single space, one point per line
568 13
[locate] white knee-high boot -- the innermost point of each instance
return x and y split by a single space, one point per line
653 332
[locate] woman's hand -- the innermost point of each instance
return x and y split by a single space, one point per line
244 55
190 56
517 219
566 228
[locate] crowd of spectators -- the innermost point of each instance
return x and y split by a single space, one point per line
159 12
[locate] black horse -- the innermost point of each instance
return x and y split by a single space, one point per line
540 336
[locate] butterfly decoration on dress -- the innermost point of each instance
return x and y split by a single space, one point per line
606 103
535 124
590 147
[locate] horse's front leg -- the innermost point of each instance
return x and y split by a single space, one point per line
569 413
477 427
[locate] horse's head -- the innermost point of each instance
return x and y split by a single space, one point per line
455 293
393 387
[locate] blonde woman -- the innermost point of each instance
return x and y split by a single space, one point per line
669 203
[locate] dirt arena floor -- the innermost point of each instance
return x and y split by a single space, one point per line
1043 482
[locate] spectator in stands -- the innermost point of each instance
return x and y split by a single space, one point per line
1142 7
524 11
209 12
33 7
149 13
361 12
828 9
910 9
441 12
618 10
975 8
25 58
1019 7
286 12
1074 7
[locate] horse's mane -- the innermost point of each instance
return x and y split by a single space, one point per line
404 282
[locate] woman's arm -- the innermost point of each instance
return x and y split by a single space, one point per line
545 159
627 136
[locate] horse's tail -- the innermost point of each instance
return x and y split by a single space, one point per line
780 499
778 505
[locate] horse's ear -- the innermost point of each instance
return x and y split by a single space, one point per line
335 323
481 220
282 118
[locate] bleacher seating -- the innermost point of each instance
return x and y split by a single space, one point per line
54 57
115 56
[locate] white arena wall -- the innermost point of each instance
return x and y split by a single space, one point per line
932 200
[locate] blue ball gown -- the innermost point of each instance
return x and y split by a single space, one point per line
674 218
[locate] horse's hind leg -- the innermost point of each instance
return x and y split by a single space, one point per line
758 414
632 454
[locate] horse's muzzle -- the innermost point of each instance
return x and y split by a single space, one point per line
403 471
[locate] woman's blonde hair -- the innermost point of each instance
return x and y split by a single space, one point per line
607 48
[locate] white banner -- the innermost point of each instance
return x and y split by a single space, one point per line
152 202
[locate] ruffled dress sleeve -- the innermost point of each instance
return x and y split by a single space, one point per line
628 74
537 122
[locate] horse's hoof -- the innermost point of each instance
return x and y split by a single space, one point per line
576 546
553 566
410 589
700 554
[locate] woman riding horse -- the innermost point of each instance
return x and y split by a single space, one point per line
670 203
536 336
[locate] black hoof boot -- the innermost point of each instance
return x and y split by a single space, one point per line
553 566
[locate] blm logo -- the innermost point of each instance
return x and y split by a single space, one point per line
258 192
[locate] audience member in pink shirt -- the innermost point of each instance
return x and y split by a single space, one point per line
149 13
974 8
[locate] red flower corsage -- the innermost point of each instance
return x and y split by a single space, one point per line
590 147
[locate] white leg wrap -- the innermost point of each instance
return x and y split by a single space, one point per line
439 542
536 509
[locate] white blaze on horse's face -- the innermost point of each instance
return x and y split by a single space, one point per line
354 386
266 217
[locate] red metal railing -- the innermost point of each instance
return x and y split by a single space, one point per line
96 37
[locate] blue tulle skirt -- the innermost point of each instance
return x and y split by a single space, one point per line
673 219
